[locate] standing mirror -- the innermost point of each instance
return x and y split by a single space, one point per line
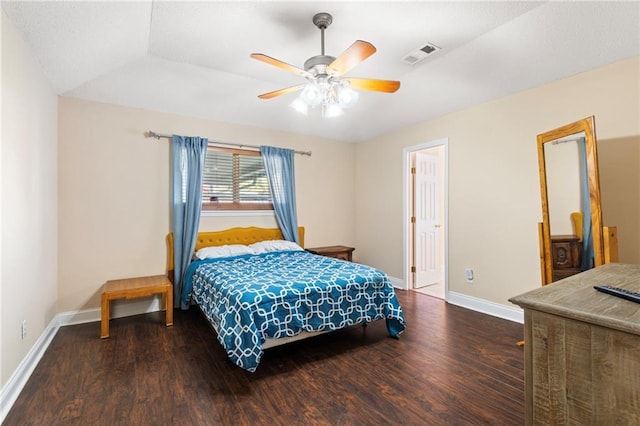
571 232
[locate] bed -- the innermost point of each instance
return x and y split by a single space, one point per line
259 291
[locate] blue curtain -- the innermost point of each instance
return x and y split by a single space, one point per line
187 160
278 163
587 240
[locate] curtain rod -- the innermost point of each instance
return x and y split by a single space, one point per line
152 134
559 141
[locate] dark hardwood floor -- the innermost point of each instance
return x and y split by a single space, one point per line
451 366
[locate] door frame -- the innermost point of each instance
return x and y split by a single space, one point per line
406 216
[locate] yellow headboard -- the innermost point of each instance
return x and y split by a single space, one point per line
246 236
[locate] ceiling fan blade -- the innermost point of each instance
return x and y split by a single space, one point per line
387 86
275 62
284 91
356 53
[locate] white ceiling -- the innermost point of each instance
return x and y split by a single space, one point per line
192 58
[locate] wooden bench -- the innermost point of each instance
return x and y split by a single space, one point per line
132 288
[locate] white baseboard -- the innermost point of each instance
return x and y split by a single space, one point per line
486 307
514 314
119 308
18 379
398 283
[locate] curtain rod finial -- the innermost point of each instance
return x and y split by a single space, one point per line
151 134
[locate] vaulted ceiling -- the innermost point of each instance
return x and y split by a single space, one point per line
192 58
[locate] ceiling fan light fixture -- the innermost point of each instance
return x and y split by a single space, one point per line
311 95
300 106
333 94
347 97
331 110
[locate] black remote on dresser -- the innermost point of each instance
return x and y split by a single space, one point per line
619 292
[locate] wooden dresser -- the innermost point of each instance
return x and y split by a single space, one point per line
566 255
339 252
582 350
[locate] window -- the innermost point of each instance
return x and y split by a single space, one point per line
234 179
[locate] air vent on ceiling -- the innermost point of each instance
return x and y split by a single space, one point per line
420 53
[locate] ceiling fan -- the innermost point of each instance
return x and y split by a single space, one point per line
326 85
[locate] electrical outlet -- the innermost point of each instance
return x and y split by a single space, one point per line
468 273
23 329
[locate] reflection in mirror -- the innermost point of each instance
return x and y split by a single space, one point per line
568 204
564 190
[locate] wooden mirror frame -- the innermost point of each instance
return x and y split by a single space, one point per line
586 125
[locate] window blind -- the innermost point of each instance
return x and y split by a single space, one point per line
233 176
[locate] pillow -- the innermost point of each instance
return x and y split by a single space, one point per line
223 251
274 245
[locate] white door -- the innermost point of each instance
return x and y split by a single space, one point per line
427 238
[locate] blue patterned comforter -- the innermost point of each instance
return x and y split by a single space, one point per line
279 294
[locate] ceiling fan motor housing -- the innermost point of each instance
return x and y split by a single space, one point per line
317 65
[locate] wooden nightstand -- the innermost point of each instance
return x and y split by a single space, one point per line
339 252
132 288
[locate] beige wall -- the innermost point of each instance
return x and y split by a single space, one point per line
114 192
619 160
494 196
29 202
